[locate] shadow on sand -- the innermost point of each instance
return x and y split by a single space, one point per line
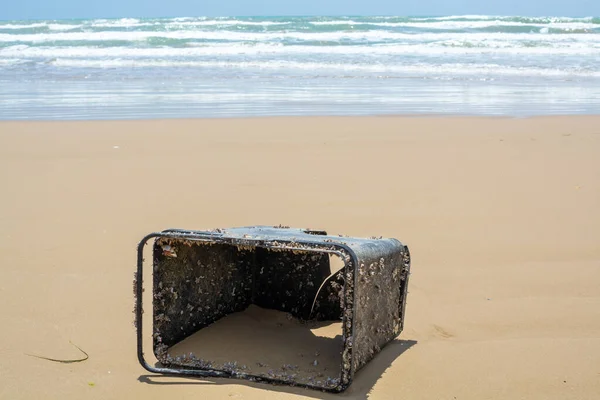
364 380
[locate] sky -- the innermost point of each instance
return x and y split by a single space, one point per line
59 9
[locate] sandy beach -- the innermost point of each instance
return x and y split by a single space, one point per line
501 215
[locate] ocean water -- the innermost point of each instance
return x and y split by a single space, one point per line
224 67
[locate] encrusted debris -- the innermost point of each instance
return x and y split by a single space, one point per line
200 277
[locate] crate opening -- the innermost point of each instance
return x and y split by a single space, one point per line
249 310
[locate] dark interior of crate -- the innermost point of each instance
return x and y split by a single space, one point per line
198 283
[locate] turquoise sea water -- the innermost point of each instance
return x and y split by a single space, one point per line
222 67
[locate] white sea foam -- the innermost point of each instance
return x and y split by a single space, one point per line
456 25
451 22
358 36
340 22
62 27
335 68
180 24
182 19
23 26
123 22
50 26
504 18
455 17
117 25
439 49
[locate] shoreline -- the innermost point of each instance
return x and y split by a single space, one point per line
283 117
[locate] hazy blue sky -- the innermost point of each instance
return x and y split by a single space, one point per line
46 9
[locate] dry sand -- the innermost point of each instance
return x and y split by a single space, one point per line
269 343
502 218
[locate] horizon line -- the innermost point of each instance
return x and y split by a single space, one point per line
304 16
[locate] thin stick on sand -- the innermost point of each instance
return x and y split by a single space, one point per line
64 361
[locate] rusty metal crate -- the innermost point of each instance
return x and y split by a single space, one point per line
201 277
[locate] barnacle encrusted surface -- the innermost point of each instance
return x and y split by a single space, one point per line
380 294
196 283
201 277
